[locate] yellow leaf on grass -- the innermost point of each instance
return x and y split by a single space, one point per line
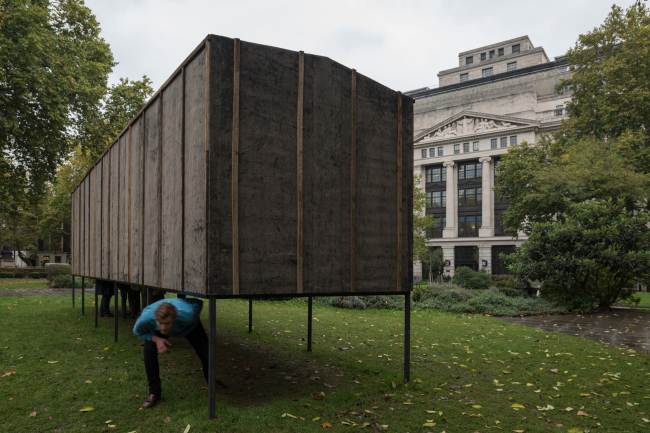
529 384
476 406
89 381
581 413
517 406
418 381
575 430
32 415
326 425
584 395
316 419
568 409
106 348
429 424
187 429
86 409
111 425
289 415
52 362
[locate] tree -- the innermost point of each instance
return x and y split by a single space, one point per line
120 104
422 222
611 84
53 71
541 180
433 263
588 255
603 150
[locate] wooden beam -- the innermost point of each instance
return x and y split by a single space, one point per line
160 158
299 127
129 217
353 182
182 283
207 165
235 171
399 191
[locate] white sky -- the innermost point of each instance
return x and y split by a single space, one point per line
401 44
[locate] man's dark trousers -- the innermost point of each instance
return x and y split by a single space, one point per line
199 341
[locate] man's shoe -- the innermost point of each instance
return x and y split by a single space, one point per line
150 401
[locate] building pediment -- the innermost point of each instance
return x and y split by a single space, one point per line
469 123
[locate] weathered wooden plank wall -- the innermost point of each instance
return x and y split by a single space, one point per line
172 209
136 202
194 182
152 194
255 171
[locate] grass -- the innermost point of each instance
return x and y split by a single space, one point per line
467 372
645 299
22 283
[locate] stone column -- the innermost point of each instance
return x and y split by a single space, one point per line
448 253
451 230
485 253
487 209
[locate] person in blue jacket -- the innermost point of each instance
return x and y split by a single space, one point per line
166 318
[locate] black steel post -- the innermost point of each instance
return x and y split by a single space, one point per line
83 299
96 304
115 292
407 337
73 291
212 358
309 322
250 316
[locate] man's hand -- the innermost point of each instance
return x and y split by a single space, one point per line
162 344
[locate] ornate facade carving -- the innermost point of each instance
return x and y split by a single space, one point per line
467 125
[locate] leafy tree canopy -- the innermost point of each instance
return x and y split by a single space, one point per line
590 253
422 222
53 71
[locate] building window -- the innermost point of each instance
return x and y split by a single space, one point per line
464 77
563 69
470 170
469 60
456 148
424 153
469 225
483 56
487 72
493 143
500 51
515 49
493 54
432 152
465 147
558 110
475 144
470 197
512 66
436 199
436 174
438 227
504 141
440 151
513 139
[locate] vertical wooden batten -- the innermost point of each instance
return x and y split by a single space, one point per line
182 283
399 191
207 164
144 165
235 171
94 273
299 127
160 164
353 181
108 218
129 213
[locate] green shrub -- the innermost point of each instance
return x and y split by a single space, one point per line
455 299
418 291
19 275
576 301
511 292
348 302
502 277
61 281
470 279
36 275
6 275
510 283
462 276
384 302
55 270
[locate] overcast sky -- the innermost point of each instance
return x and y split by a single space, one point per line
402 44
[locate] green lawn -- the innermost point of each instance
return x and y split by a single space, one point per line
645 299
468 374
22 283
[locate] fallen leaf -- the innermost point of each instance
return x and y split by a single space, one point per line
168 420
111 425
517 406
52 362
187 429
10 373
326 425
32 415
581 413
429 424
89 381
316 419
289 415
575 430
86 409
476 406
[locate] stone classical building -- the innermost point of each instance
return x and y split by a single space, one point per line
497 96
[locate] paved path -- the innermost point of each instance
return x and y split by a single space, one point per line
616 328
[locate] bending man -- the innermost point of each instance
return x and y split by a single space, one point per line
178 317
